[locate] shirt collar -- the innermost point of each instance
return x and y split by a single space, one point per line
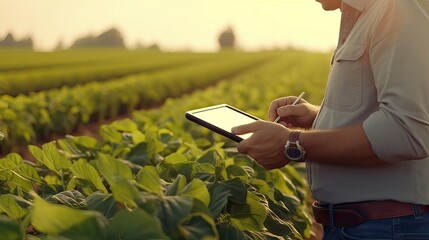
359 5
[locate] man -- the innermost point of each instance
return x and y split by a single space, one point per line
366 147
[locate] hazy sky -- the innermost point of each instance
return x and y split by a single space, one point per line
174 24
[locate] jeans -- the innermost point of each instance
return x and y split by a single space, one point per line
415 227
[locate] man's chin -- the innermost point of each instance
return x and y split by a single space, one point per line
327 7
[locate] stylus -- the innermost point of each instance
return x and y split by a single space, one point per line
294 103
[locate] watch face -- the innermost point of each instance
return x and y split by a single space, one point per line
293 153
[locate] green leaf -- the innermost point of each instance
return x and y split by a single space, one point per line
85 171
231 190
79 145
197 189
86 142
237 188
138 137
149 179
103 203
73 199
67 222
292 202
110 167
209 157
9 229
164 135
264 235
124 191
124 125
281 182
18 174
243 160
198 226
277 220
236 171
263 187
172 210
9 206
31 237
177 186
110 134
175 164
141 153
50 157
250 216
175 159
136 224
229 231
219 199
200 207
297 178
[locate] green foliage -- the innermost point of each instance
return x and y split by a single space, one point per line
10 229
18 176
67 222
158 176
136 224
74 96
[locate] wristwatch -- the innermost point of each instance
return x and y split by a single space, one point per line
293 151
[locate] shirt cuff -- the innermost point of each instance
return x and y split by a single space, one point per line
390 139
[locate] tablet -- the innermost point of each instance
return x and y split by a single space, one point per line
221 118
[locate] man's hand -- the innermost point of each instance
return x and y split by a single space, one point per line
301 115
266 144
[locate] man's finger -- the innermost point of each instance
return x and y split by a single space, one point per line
242 147
272 112
289 111
246 128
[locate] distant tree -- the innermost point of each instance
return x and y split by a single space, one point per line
10 42
109 38
139 45
154 47
227 39
25 43
84 42
60 46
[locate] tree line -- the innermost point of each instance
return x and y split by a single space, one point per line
111 38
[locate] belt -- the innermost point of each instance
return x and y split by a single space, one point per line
353 214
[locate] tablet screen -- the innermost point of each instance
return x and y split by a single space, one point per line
224 117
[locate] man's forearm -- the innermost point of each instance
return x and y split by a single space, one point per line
346 147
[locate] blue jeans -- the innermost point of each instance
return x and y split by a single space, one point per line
414 227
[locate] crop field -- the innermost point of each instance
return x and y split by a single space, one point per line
152 174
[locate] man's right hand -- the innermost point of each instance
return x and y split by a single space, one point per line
300 115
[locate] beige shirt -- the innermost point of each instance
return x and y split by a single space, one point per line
379 78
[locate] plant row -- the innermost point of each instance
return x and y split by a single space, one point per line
24 59
24 119
34 80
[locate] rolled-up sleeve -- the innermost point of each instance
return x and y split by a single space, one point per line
399 57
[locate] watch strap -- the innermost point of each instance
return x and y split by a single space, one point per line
294 136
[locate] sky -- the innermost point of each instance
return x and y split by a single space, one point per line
174 24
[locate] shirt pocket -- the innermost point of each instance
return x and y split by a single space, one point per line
345 84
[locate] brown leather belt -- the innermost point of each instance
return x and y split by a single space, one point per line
353 214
